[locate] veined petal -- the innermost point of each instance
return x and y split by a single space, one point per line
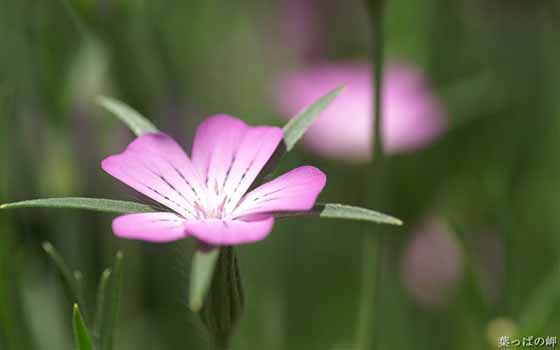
256 148
155 165
153 227
293 191
215 144
231 232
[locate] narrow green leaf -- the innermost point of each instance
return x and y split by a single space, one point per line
541 304
134 120
299 124
101 306
97 204
71 283
348 212
293 131
82 338
108 325
341 211
202 270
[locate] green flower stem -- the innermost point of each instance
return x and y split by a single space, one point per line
373 245
364 338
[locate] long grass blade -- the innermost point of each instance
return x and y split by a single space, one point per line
347 212
108 325
96 204
101 307
82 339
71 283
298 125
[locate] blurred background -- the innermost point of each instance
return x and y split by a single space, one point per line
472 134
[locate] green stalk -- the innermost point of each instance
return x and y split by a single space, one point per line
373 245
376 14
364 334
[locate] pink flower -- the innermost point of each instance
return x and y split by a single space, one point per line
208 195
432 264
412 116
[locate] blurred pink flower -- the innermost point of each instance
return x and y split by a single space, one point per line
432 264
207 196
412 116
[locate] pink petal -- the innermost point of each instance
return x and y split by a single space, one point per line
295 190
256 148
153 227
231 232
230 154
155 165
215 143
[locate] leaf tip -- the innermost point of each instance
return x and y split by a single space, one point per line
397 222
106 273
119 256
76 309
3 206
47 246
78 275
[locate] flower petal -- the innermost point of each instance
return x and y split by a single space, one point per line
155 165
215 143
231 232
293 191
256 148
230 154
153 227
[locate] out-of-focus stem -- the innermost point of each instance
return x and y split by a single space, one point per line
376 14
373 245
364 334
